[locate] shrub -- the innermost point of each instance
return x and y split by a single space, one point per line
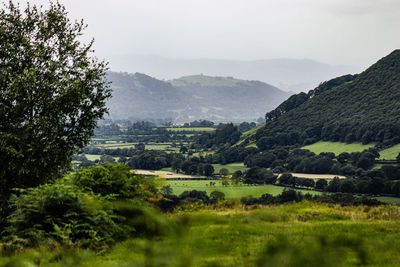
111 180
217 196
61 212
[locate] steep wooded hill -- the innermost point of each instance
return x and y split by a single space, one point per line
364 107
138 96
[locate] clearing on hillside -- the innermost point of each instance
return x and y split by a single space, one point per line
390 153
336 147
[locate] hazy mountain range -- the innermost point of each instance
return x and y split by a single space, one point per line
139 97
287 74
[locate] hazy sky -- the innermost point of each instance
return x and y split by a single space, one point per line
355 32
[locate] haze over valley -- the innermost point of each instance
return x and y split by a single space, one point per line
140 97
291 75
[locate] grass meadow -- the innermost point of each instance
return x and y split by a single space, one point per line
336 147
390 153
232 167
229 234
230 191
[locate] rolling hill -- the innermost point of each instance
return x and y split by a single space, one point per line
288 74
139 96
361 108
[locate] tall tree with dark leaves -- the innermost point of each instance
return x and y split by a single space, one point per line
52 92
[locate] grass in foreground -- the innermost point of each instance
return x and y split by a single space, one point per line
302 234
336 147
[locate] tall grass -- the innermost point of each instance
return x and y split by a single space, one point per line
229 234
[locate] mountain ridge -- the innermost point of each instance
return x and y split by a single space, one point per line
139 96
287 74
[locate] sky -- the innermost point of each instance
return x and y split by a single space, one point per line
351 32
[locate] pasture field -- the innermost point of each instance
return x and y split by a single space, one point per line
336 147
148 146
232 167
236 192
252 131
231 191
300 234
390 153
92 157
191 129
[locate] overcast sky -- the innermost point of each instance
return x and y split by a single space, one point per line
353 32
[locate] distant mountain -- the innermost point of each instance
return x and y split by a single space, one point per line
360 108
287 74
138 96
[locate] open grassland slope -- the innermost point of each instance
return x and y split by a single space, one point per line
302 234
336 147
390 153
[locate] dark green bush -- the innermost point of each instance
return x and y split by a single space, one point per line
111 180
62 213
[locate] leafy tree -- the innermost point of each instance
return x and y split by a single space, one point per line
104 159
217 196
259 176
224 172
321 184
52 92
140 147
208 170
237 177
183 149
166 190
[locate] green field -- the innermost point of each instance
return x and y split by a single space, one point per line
232 167
191 129
92 157
252 131
231 192
390 153
302 234
149 146
336 147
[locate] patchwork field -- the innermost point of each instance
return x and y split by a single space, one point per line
336 147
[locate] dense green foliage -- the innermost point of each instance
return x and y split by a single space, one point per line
359 109
290 196
111 180
94 207
225 134
52 92
303 161
61 212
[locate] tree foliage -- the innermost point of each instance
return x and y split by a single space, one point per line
362 108
52 92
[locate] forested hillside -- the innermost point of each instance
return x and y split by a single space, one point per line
138 96
363 108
